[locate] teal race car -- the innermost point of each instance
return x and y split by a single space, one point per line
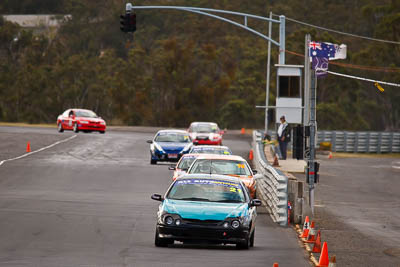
212 208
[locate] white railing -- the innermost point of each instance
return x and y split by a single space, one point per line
272 185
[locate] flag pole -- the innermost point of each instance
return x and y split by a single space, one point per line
311 160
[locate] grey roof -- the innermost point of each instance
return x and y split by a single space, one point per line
35 21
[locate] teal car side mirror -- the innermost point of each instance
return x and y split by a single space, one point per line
255 203
157 197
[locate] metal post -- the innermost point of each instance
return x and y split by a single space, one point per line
368 137
306 117
306 110
356 148
268 74
282 40
245 21
379 146
311 171
333 141
391 142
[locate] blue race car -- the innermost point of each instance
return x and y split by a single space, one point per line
169 145
201 207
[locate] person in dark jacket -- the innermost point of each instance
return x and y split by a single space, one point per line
283 136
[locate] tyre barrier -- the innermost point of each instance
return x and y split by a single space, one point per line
272 184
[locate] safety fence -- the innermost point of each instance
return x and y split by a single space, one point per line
357 142
361 142
272 184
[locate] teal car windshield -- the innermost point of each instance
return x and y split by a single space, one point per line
207 190
225 167
172 137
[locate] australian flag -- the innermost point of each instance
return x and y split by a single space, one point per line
320 54
322 50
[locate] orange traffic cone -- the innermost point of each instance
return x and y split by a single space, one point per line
275 264
311 234
306 228
251 154
332 262
324 258
330 155
28 147
242 131
276 162
317 244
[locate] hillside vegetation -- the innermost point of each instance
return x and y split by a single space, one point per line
182 67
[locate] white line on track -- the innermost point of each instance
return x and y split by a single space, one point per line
394 165
40 149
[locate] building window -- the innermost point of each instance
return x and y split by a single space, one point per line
289 86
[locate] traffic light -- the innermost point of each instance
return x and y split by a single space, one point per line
132 22
298 142
316 175
128 22
124 20
316 169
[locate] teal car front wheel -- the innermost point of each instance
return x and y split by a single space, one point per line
245 244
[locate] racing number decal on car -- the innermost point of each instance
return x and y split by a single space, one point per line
234 189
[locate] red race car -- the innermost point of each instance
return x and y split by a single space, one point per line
80 120
205 133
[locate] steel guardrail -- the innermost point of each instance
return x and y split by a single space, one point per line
361 142
272 184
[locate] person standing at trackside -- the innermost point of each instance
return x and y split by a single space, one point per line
283 136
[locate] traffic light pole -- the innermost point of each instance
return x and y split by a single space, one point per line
268 74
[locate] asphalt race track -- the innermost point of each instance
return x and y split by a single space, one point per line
86 202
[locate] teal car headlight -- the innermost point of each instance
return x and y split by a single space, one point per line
170 219
235 224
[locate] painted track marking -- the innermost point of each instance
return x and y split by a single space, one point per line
394 165
40 149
